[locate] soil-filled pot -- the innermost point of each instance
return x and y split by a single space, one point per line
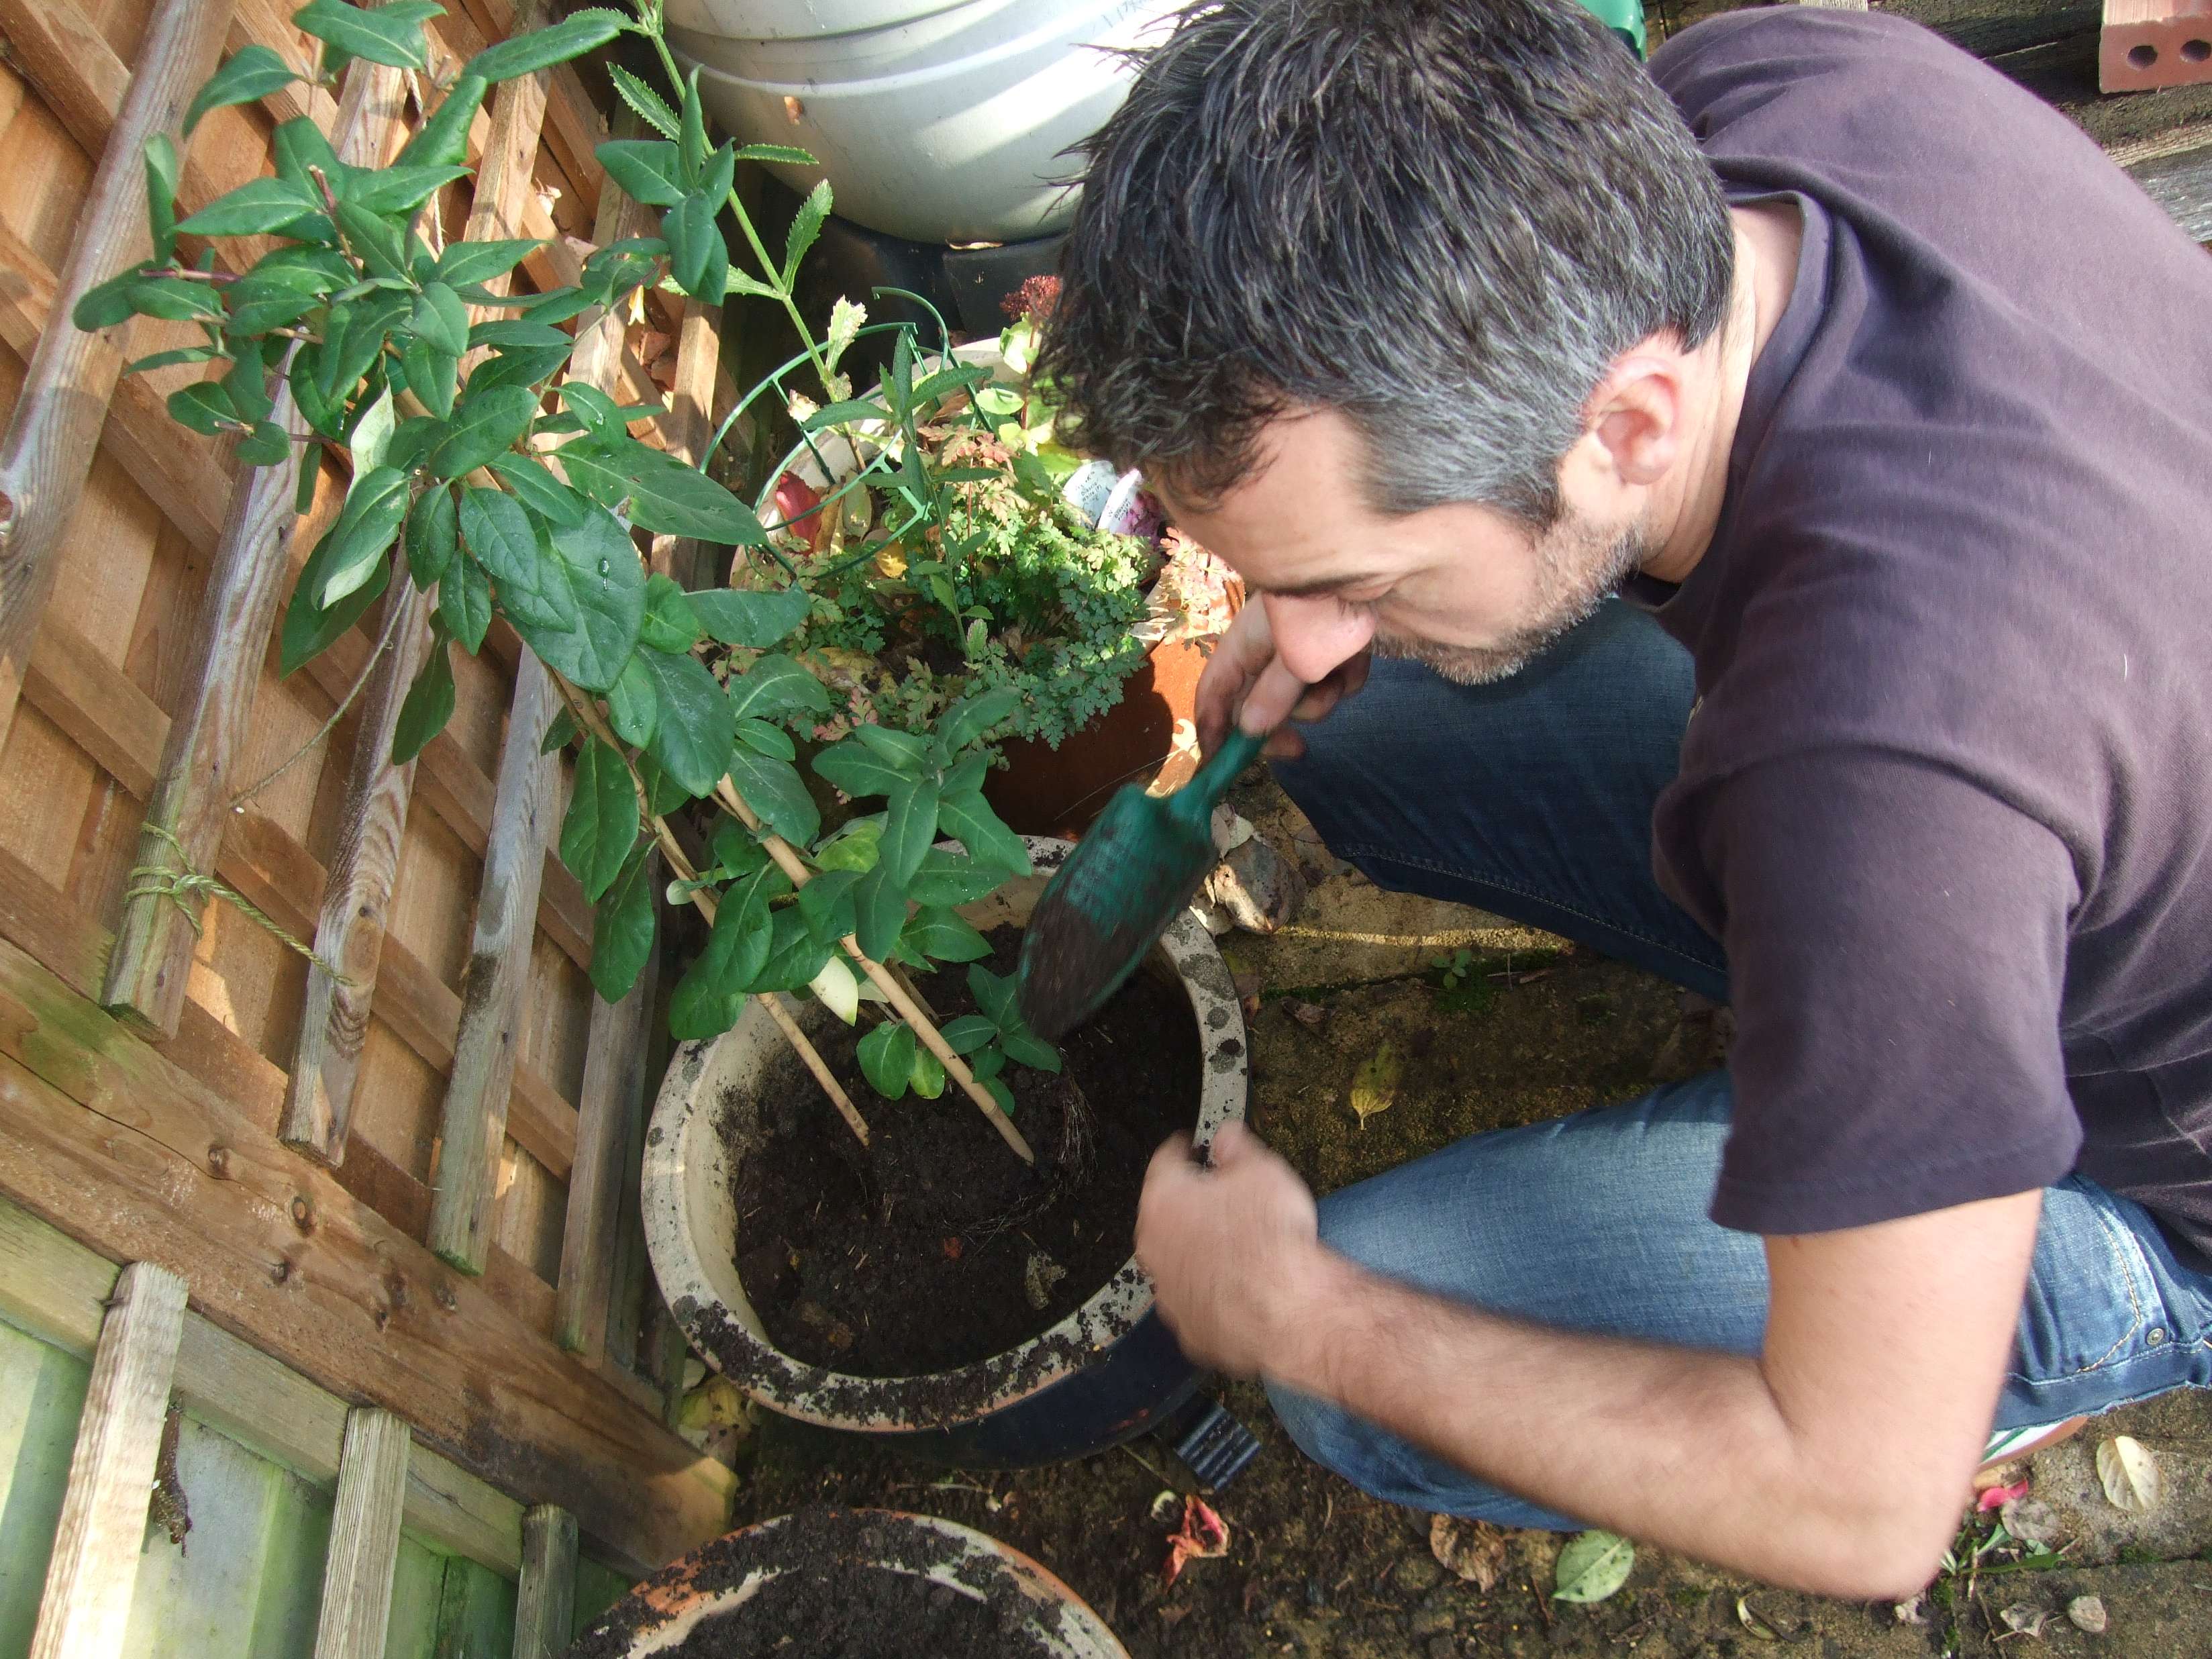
839 1582
1103 1373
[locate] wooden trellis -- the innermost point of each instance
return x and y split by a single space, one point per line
402 1184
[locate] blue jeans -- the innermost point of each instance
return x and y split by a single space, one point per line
1533 799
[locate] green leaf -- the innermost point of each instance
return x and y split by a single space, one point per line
1000 1093
774 789
374 240
670 623
776 685
633 705
1593 1565
205 406
559 735
970 718
428 706
267 444
175 300
1024 1048
886 1056
170 359
709 999
541 48
945 936
854 848
794 955
601 827
432 532
443 140
949 878
517 554
651 107
966 775
463 264
486 425
778 155
666 497
827 904
375 508
251 74
970 1032
804 230
969 817
440 319
765 739
540 491
751 618
623 927
858 770
109 303
398 189
691 129
909 826
161 193
309 629
255 209
928 1075
598 568
904 750
647 171
699 260
465 603
391 35
433 375
692 737
511 334
880 911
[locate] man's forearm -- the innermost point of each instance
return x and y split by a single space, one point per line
1684 1448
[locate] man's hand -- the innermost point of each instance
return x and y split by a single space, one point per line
1230 1248
1246 682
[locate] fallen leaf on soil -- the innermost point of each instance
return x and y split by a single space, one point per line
1306 1013
2086 1613
1375 1085
1204 1534
1039 1275
2128 1473
1911 1612
1996 1497
2033 1521
2024 1618
954 1248
1474 1550
716 1403
1755 1621
1165 1503
1592 1566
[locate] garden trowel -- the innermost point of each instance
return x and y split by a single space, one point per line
1133 870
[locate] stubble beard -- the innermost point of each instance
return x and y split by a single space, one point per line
1578 566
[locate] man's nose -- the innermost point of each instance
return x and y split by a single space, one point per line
1315 634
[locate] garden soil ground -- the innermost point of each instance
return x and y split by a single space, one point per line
1314 1568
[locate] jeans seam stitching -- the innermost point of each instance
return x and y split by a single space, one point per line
1361 849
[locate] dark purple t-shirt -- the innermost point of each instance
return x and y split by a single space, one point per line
1947 794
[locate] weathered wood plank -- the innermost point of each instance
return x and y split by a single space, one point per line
688 427
2182 185
119 726
545 1596
364 867
53 433
56 1288
474 1120
606 1121
86 1602
297 1266
364 1536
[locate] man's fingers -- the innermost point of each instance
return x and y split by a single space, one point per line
1231 1142
1273 695
1174 1154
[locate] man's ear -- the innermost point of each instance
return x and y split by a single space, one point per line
1636 414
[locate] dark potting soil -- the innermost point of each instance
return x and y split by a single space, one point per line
849 1585
936 1246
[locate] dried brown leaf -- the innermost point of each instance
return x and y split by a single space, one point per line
1474 1550
2128 1474
2087 1613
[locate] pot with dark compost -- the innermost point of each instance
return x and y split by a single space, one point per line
828 1584
931 1286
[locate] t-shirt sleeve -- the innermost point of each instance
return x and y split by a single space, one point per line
1896 952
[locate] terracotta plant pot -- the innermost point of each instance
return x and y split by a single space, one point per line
1105 1373
663 1612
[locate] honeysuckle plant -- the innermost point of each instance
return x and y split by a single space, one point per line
483 476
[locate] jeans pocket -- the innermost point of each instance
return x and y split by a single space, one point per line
2092 1299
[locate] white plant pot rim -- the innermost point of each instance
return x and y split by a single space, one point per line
1063 1620
699 1279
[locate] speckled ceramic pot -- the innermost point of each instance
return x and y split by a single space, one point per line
1105 1373
663 1612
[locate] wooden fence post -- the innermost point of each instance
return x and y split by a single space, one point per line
546 1597
364 1552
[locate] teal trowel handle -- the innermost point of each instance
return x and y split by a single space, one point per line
1194 802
